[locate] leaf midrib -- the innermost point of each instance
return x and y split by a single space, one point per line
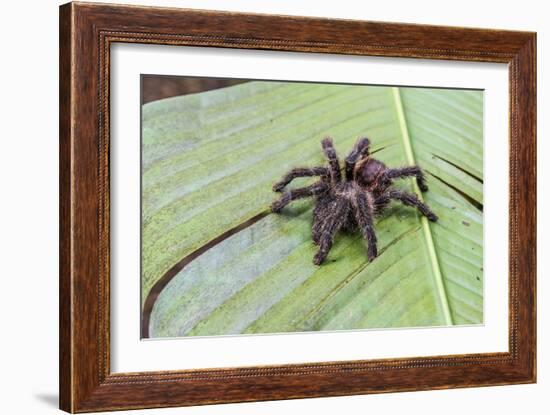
409 154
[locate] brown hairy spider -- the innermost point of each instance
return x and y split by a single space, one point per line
353 202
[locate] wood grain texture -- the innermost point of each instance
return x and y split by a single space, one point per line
86 33
65 246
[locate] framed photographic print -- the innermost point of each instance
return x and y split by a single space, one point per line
260 207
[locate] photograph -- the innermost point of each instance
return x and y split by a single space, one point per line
280 206
257 205
275 207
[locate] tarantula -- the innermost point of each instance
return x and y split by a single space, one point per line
351 203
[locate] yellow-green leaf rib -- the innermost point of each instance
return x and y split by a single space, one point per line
425 224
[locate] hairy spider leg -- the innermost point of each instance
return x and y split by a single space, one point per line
299 172
360 150
319 213
300 193
408 199
404 172
334 165
329 228
364 213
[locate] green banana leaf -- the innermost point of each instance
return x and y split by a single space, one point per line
209 162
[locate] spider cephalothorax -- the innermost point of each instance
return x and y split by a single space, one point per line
352 201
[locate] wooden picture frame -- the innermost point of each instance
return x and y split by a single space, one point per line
86 33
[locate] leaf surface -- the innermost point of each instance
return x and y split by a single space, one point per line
209 161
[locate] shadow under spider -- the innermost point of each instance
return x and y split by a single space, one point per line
299 209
